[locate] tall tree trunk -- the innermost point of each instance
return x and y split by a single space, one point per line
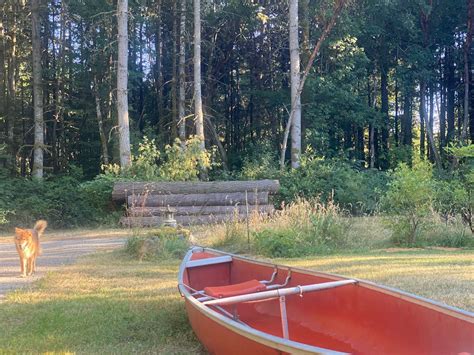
37 90
442 110
467 52
100 123
450 91
430 125
396 123
159 69
338 6
198 113
384 162
423 118
2 61
182 74
295 83
122 85
407 129
174 78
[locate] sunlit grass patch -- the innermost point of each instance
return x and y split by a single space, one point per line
107 303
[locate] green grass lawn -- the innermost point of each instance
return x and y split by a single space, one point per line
109 303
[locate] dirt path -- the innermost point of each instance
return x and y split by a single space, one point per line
57 252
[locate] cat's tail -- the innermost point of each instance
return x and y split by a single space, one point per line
40 226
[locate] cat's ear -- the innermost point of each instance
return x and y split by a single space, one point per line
19 231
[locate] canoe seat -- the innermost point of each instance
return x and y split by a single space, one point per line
235 289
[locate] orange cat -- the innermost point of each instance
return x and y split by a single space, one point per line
28 247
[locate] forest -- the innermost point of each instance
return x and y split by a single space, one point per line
351 102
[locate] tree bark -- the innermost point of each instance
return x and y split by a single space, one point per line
122 85
199 199
407 122
174 79
202 210
198 113
450 91
159 69
424 119
123 189
37 90
100 123
385 117
182 74
295 83
2 62
327 29
10 109
467 52
442 110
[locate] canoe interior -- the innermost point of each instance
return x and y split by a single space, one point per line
359 319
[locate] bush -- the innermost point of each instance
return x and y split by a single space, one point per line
279 243
304 228
451 235
64 201
409 199
358 191
165 242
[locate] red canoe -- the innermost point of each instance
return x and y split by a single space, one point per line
241 306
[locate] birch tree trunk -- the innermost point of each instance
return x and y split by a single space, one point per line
467 50
2 62
182 74
174 79
10 108
37 90
159 69
338 6
295 83
198 114
122 82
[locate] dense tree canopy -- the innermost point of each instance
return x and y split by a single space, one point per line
393 79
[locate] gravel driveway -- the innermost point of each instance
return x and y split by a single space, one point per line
56 253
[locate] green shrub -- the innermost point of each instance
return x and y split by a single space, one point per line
64 201
165 242
304 228
355 190
449 235
409 200
184 164
279 243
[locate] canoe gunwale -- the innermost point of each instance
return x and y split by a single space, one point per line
289 345
427 302
258 336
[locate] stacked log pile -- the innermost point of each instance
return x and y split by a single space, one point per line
193 202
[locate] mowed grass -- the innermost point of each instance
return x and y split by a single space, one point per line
106 303
110 303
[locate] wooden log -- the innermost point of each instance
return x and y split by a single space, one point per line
123 189
157 221
209 199
199 210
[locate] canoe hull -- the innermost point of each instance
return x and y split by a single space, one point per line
362 319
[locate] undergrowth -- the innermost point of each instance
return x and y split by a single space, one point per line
163 243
